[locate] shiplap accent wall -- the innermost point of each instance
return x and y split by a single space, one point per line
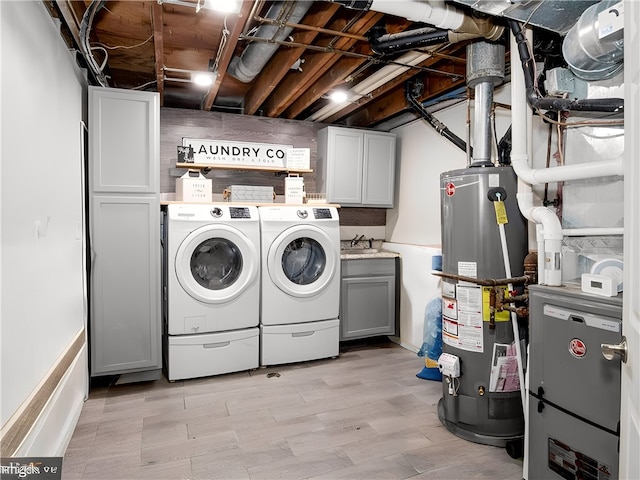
177 123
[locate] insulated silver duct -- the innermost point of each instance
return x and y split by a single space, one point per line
594 47
485 69
253 59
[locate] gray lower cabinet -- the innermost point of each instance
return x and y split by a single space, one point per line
368 302
124 234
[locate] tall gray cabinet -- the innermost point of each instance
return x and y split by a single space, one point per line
124 229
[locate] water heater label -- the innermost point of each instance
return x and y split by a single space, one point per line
462 319
448 289
468 269
501 213
494 180
449 308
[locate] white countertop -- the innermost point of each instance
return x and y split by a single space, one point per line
359 256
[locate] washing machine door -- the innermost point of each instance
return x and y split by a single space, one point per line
215 263
302 261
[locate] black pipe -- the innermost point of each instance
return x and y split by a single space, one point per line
434 122
610 105
409 40
356 4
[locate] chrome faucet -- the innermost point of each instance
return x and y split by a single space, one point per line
356 239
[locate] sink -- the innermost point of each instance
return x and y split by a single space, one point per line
359 251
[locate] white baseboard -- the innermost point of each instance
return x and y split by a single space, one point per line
51 433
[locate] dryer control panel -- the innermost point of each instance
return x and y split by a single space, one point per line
320 213
239 212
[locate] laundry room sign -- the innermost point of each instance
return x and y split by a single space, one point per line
240 154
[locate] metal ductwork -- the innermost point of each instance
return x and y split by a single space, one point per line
610 105
253 59
594 47
454 25
485 69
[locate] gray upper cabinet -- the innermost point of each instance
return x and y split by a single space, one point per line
125 141
124 228
356 168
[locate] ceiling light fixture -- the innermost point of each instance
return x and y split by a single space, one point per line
203 79
222 6
199 78
338 96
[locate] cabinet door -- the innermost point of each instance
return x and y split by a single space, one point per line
344 154
125 285
124 128
378 170
367 307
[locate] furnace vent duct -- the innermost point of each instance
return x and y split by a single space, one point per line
436 13
485 69
594 47
253 59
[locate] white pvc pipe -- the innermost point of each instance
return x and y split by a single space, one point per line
605 168
551 256
435 13
549 259
584 232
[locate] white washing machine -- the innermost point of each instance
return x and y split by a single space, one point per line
300 272
212 289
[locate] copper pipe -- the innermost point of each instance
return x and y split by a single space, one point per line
492 308
485 282
309 27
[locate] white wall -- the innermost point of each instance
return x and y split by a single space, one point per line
413 225
42 280
423 154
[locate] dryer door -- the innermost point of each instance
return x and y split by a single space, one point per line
302 261
215 263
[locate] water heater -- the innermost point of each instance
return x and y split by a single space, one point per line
483 403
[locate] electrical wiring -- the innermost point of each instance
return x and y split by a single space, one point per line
85 32
581 123
126 47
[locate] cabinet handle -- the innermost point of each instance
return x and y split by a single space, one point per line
609 351
302 334
216 345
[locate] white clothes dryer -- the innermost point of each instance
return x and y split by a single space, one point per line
300 300
213 257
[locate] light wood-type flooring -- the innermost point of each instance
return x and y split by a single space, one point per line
363 415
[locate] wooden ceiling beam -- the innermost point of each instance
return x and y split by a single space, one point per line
316 65
71 17
334 76
386 106
282 61
437 62
232 41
